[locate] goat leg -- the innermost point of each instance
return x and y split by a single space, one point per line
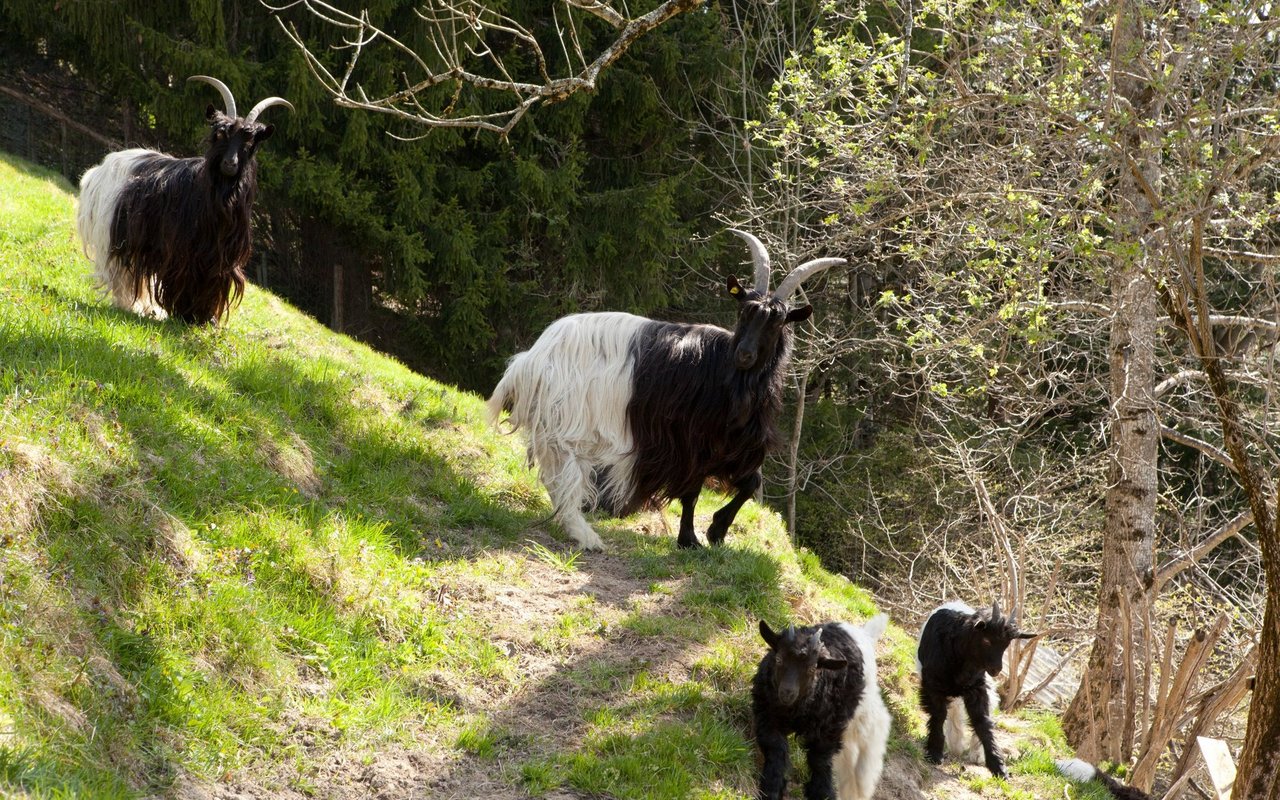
819 786
773 775
723 518
977 702
935 705
687 539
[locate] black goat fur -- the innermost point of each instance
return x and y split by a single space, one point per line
704 405
818 715
184 224
957 652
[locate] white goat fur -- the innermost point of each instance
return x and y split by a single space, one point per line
962 742
569 392
857 767
100 189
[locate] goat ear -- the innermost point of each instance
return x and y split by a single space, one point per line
799 314
825 662
1025 635
735 289
265 133
209 111
766 633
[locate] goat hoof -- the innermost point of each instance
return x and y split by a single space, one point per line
691 543
933 758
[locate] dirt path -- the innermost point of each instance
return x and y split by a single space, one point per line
543 712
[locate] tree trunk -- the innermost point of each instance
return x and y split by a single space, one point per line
1100 721
793 457
1258 774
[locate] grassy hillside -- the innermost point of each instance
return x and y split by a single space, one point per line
264 561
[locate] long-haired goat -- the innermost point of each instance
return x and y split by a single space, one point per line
960 651
172 235
819 682
623 412
1083 772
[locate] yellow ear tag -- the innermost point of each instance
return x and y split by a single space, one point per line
734 290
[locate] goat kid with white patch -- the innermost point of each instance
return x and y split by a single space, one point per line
960 651
819 683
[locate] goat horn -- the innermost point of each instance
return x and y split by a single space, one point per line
802 273
995 610
760 256
264 105
227 99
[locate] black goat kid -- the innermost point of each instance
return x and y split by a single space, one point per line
960 651
171 236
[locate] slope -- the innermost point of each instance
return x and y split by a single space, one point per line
265 561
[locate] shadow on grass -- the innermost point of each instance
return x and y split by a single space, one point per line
167 426
34 170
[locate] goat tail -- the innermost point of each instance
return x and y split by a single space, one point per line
1081 771
504 396
874 627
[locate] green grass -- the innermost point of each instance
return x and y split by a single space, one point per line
242 553
198 522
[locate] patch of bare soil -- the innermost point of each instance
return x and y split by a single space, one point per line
905 779
900 780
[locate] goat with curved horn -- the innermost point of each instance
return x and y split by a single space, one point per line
684 403
171 236
228 100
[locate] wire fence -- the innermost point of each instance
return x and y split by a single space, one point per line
31 128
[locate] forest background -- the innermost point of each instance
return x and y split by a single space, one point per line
1047 373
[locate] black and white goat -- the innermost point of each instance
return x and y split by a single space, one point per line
1083 772
171 236
623 412
960 651
819 682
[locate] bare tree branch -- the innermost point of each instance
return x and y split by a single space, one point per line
1172 568
1216 453
462 55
